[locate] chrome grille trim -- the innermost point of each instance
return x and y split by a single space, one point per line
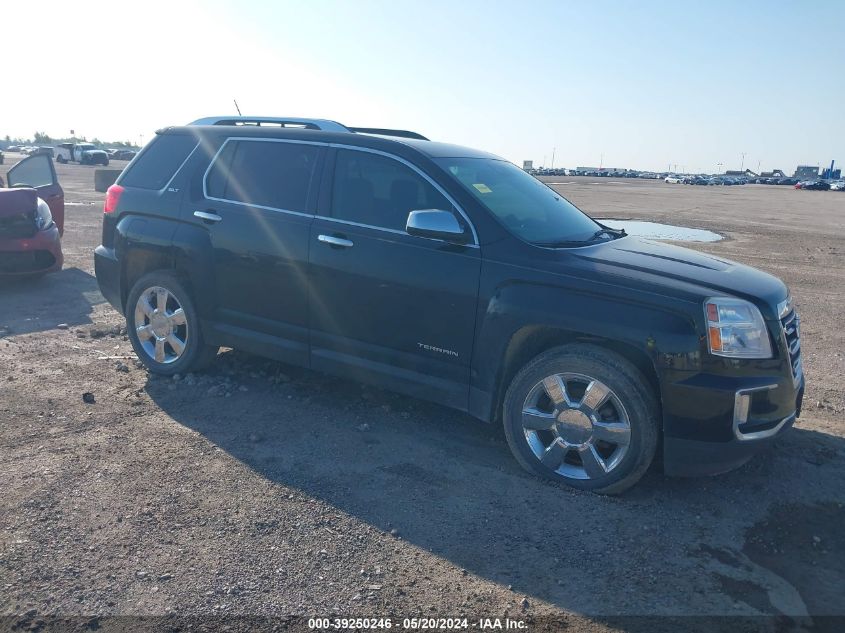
791 326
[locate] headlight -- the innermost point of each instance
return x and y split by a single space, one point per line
735 328
43 217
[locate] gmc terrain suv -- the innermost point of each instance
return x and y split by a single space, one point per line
448 274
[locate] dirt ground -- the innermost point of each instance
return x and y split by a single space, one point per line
258 490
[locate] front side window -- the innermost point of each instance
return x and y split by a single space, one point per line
264 173
35 171
525 206
380 191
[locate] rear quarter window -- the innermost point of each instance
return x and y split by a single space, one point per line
156 165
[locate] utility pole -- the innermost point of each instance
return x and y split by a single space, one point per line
553 157
742 164
601 162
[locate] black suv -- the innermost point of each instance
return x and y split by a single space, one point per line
451 275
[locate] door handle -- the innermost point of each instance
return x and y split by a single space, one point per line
331 240
205 216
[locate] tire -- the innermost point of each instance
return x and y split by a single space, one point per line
157 335
61 160
556 433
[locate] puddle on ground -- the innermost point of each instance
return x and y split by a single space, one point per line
658 231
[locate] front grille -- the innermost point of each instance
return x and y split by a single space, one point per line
792 334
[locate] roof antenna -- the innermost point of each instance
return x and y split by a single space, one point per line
236 107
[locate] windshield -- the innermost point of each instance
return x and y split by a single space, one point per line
88 146
528 208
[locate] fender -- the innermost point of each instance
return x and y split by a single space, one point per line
656 328
141 244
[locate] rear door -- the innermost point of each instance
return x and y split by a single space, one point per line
259 199
39 173
387 307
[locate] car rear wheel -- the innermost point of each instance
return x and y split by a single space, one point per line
583 416
163 326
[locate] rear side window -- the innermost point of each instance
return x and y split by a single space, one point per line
379 191
264 173
156 166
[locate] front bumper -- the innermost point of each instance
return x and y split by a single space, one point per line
36 255
720 422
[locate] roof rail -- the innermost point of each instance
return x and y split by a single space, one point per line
311 124
324 125
378 131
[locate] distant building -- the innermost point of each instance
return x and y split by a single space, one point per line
775 173
836 174
528 165
806 171
747 173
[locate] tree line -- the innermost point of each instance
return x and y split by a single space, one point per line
42 138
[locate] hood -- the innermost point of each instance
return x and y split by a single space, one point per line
93 151
17 201
686 270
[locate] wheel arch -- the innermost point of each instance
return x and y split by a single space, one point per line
138 262
532 340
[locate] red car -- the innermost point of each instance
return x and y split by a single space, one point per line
32 215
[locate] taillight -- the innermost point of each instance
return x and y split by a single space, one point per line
113 194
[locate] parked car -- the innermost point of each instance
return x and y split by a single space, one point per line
838 185
815 185
82 153
673 179
13 148
46 150
721 180
31 219
451 275
2 157
124 154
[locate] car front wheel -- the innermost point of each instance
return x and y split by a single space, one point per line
583 416
163 326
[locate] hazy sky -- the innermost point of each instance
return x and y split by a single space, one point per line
641 84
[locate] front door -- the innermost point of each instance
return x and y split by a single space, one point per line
39 173
257 209
387 307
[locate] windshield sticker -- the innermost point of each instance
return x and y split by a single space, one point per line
482 188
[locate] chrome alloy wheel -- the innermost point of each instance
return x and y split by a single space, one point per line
161 325
576 426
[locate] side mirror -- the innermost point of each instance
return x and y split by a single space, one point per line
436 224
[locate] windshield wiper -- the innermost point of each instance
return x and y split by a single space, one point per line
564 243
607 231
